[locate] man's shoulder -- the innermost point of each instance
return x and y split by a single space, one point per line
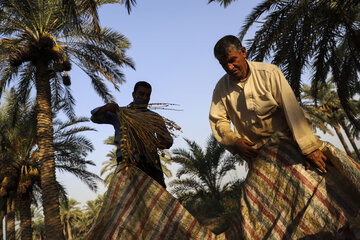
262 66
151 112
223 81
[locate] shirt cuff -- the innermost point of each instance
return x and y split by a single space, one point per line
310 147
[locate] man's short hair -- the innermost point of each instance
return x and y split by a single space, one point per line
225 44
141 84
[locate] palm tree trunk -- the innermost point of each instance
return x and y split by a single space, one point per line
342 140
69 229
10 220
45 131
64 231
1 226
25 216
351 139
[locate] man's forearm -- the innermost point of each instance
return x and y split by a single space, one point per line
111 107
104 114
101 111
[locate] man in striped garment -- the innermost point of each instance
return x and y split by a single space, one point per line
287 193
149 163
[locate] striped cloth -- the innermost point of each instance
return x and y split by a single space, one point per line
137 207
280 200
283 200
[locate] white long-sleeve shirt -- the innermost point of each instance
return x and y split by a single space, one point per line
257 107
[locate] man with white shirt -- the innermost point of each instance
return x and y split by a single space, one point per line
286 194
256 98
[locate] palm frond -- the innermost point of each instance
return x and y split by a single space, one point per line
318 35
224 3
89 178
138 130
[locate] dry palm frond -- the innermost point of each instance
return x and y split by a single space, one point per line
171 125
19 56
141 131
163 106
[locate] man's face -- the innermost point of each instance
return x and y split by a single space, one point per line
235 64
142 95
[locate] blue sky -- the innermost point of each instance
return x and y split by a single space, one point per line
172 47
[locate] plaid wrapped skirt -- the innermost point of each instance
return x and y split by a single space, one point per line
280 200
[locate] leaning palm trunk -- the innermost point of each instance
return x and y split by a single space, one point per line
10 220
45 131
351 139
25 216
342 139
352 142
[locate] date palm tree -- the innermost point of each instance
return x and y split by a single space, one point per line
20 169
109 167
90 213
326 110
91 8
320 117
322 35
225 3
38 46
201 189
70 212
38 225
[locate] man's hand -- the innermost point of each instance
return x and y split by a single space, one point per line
317 158
111 107
245 148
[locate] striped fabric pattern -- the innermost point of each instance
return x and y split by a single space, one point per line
283 200
280 200
137 207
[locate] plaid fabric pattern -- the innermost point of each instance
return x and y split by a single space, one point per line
137 207
280 200
283 200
